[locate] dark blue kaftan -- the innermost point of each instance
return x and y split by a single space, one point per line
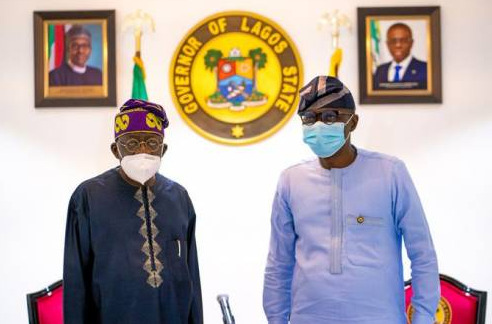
65 76
130 254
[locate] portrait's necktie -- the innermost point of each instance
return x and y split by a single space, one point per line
397 73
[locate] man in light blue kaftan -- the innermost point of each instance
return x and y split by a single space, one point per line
338 224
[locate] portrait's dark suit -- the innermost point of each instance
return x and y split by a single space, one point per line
416 73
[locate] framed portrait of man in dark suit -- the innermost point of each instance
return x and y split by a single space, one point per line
74 58
399 55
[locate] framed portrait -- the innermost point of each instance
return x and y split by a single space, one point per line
399 55
74 58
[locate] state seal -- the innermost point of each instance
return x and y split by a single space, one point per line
235 77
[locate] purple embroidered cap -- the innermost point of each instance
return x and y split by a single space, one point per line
140 116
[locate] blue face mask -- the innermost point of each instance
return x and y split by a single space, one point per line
325 139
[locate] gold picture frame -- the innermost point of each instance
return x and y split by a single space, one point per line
399 55
74 58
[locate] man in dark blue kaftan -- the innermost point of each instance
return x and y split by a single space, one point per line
130 251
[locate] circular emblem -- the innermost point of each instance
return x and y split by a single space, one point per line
443 312
235 77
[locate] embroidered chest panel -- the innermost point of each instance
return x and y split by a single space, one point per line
149 232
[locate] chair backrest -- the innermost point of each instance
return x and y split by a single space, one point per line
46 306
459 304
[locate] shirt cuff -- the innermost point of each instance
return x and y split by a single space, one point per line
419 318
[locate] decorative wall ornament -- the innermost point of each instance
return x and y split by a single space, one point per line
335 21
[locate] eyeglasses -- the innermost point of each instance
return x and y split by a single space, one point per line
133 145
394 41
327 117
76 47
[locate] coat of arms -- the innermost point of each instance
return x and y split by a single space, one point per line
235 77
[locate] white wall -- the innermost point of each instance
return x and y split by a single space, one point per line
46 153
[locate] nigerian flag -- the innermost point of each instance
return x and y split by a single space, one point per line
139 91
56 45
375 40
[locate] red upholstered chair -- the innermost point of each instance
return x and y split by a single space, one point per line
46 306
459 304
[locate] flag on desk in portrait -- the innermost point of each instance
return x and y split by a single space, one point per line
139 90
375 44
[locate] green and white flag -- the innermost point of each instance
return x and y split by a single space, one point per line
375 44
139 91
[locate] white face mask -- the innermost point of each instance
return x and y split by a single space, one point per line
141 167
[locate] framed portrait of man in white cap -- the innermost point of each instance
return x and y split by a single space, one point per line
74 58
